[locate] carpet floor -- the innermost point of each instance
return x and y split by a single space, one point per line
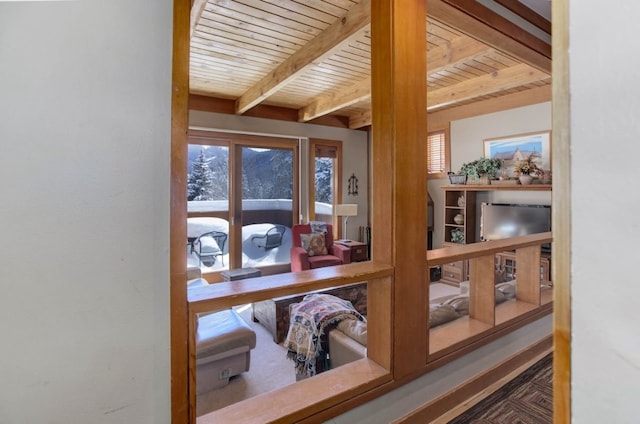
269 370
527 399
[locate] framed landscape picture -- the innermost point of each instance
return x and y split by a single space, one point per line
515 148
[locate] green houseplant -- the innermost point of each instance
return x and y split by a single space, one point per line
457 236
484 166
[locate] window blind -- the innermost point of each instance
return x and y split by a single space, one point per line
436 152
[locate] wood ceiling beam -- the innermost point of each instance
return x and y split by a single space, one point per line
441 118
501 80
527 14
360 120
439 58
457 51
488 27
357 19
326 104
197 8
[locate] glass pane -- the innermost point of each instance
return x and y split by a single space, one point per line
208 207
267 198
324 172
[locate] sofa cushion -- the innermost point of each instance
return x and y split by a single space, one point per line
324 260
314 244
508 289
355 329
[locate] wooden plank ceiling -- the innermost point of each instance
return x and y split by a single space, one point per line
314 57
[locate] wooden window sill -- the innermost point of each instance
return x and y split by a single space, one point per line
320 392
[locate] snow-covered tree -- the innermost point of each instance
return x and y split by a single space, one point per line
324 179
200 180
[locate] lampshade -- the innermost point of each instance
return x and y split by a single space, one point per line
347 209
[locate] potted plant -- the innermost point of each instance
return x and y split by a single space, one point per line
457 236
479 168
526 169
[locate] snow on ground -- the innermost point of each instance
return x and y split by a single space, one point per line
252 255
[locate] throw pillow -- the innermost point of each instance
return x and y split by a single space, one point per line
460 304
442 314
508 289
314 244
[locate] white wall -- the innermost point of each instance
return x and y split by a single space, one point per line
354 150
605 144
467 137
83 257
84 169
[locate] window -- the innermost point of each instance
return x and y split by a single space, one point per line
324 179
438 153
242 186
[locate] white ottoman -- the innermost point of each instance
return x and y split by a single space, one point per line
223 349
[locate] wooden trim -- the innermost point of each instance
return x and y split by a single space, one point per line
227 106
231 293
286 405
180 400
561 214
488 17
468 251
498 187
527 14
469 393
337 180
492 30
482 291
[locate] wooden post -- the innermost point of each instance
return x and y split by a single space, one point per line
399 196
482 292
528 274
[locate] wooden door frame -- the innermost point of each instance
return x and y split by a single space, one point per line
180 412
561 213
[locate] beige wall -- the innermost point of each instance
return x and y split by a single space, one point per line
467 137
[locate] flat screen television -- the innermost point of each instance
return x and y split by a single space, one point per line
502 220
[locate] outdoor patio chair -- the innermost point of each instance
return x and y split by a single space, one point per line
209 246
272 238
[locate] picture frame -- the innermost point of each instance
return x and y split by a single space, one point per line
513 149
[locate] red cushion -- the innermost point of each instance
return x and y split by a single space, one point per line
324 260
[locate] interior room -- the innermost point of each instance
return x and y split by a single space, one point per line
95 132
512 99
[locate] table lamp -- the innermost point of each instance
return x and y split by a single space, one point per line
346 210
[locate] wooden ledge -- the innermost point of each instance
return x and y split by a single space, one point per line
229 293
494 187
289 405
449 254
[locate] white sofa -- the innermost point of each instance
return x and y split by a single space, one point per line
348 341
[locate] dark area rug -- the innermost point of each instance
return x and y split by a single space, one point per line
527 399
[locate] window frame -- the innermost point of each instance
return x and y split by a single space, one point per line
336 146
447 151
235 142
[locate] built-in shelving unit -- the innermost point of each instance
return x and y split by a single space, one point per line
459 216
461 200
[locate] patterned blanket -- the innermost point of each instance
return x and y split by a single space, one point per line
309 318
